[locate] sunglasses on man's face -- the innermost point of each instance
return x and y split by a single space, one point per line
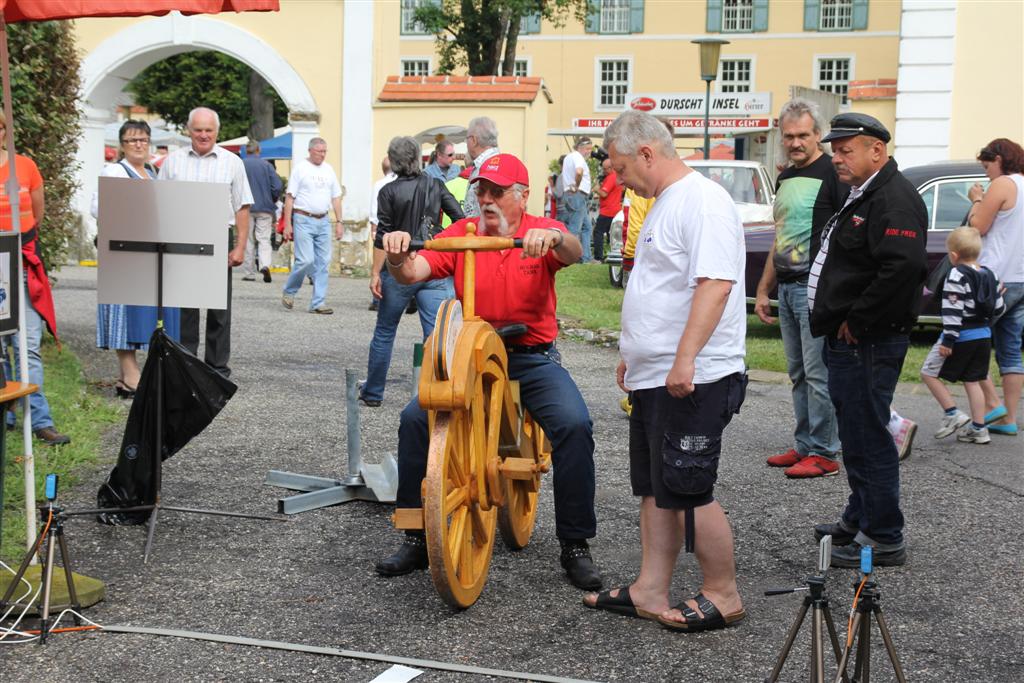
493 191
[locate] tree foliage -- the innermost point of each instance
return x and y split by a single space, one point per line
44 97
176 85
482 35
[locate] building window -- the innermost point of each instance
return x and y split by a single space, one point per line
615 16
836 15
409 25
833 75
529 23
734 75
521 67
415 67
612 83
737 15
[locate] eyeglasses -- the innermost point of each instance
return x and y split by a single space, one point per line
135 141
494 191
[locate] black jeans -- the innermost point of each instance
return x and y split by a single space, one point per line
861 380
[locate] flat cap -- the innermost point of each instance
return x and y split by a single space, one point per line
850 124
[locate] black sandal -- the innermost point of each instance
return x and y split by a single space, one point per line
695 623
123 390
620 604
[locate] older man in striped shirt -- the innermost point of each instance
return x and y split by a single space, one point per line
206 161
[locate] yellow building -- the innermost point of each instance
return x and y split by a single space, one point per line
330 61
631 47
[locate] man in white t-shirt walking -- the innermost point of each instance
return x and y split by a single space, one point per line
576 181
313 189
682 346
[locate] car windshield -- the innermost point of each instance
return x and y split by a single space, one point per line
743 184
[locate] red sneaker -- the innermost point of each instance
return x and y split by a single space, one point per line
787 459
812 466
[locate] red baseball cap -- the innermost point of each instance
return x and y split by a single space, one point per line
503 170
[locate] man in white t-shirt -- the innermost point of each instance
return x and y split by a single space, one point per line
576 181
313 189
682 346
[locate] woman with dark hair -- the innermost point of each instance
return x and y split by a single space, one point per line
412 202
127 329
998 214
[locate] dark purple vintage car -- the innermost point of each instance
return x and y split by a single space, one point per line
943 187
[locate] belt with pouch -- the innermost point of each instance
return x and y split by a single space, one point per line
307 213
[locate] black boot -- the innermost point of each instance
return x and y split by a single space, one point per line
411 555
579 565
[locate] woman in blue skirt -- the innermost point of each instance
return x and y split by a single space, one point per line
127 329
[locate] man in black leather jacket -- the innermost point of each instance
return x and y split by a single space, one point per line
863 291
412 203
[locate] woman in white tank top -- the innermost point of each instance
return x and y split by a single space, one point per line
998 214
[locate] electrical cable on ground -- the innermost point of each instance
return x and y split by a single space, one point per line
351 654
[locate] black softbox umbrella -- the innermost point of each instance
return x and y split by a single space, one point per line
193 395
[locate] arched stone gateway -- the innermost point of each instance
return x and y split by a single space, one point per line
121 57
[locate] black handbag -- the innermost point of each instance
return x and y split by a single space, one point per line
430 224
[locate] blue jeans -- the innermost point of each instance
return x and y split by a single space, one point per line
815 432
552 398
41 417
312 238
578 219
395 297
1007 331
861 379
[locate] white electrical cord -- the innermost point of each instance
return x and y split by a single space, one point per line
12 630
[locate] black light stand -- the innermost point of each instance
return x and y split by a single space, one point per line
821 615
161 248
51 517
868 605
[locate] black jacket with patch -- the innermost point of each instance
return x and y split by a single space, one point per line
414 203
876 263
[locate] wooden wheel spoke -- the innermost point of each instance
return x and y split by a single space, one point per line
455 534
481 532
465 563
456 498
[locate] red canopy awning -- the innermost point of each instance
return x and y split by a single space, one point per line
45 10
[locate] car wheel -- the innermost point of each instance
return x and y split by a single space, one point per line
615 275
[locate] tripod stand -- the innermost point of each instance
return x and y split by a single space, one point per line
817 602
51 517
867 606
160 249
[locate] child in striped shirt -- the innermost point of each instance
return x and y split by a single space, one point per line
971 300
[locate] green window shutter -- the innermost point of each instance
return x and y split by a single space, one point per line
761 15
860 15
593 24
531 23
714 22
636 16
811 14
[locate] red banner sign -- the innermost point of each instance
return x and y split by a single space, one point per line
691 123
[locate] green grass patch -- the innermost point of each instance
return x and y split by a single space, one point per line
78 411
586 296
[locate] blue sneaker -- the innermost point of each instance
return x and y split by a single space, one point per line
997 413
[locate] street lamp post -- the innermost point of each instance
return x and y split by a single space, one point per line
709 49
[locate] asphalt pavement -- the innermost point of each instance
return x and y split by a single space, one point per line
956 610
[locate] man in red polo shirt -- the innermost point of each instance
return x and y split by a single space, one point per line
611 203
515 285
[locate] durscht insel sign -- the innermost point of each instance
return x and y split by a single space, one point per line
692 103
